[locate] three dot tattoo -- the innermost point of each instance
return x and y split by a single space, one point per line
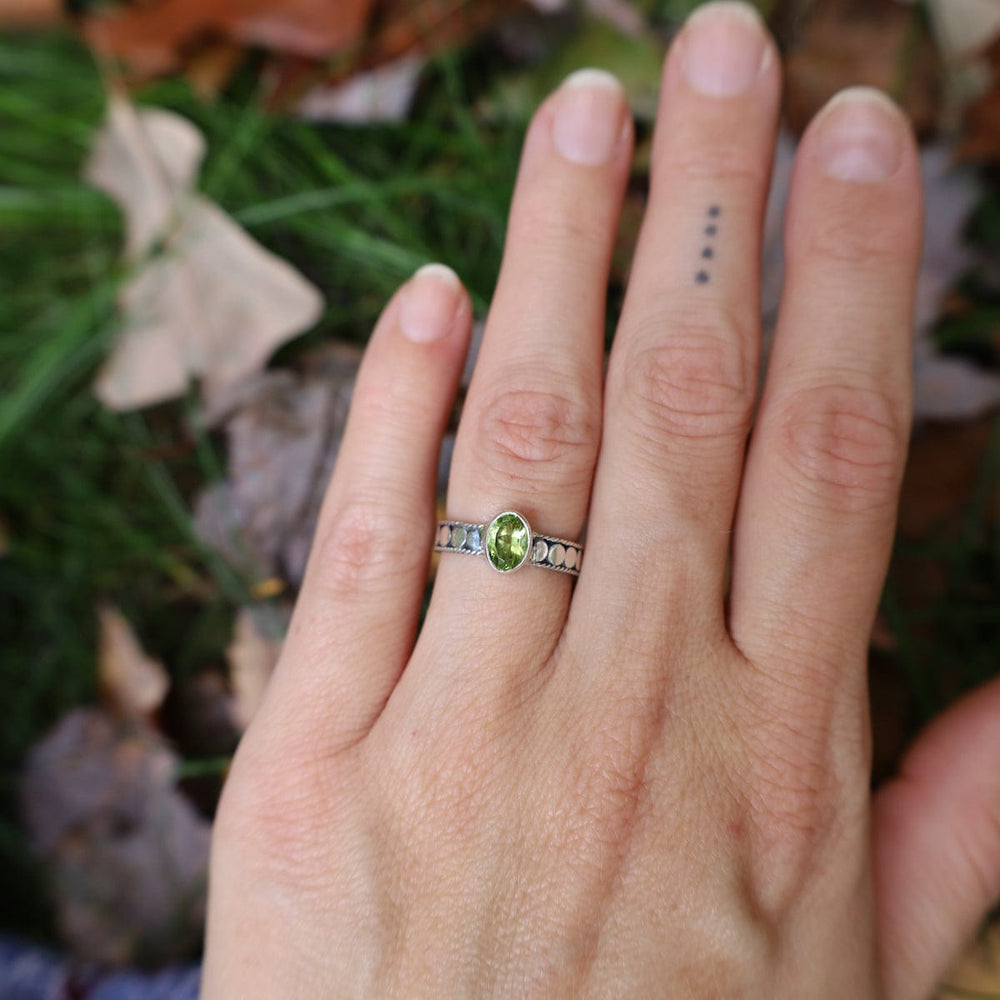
708 251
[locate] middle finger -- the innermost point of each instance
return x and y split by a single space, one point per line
682 374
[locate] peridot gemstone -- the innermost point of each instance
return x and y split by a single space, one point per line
507 539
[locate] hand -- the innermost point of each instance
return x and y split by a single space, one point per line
657 783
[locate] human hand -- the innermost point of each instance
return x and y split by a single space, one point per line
657 783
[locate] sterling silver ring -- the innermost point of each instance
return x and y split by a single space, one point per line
508 544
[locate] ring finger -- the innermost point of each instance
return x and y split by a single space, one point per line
530 429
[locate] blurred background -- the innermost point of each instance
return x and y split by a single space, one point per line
203 206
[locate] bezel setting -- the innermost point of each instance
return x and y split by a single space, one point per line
526 558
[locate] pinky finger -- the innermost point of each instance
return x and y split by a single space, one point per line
356 617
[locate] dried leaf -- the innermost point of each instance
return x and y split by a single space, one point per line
846 42
428 26
154 37
147 161
964 27
981 139
212 303
133 684
252 656
942 472
977 973
212 66
128 853
30 13
284 432
384 94
402 30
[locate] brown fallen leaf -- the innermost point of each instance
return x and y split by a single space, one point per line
155 37
212 66
127 852
403 34
132 683
30 13
977 973
252 656
981 129
206 300
879 43
942 470
428 26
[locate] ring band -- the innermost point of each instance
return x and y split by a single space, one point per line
508 544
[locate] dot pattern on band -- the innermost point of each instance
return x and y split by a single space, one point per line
548 553
457 536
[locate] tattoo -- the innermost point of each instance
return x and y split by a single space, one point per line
708 252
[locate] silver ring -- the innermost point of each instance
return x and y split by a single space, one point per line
508 544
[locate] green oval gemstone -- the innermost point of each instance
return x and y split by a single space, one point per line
507 541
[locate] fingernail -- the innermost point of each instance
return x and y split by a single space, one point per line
429 303
590 113
725 48
860 136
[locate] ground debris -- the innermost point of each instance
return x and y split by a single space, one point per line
283 429
127 851
204 299
252 656
132 683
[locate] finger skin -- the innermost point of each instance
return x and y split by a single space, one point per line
682 372
356 617
530 425
817 508
936 846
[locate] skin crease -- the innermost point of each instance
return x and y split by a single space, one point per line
653 782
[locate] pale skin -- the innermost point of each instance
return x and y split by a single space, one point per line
654 783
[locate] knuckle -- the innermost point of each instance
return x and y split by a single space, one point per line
851 240
532 434
726 163
690 379
846 444
362 545
554 229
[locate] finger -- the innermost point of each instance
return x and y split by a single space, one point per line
529 431
356 617
681 375
817 509
936 846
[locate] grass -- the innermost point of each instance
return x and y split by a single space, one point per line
95 505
